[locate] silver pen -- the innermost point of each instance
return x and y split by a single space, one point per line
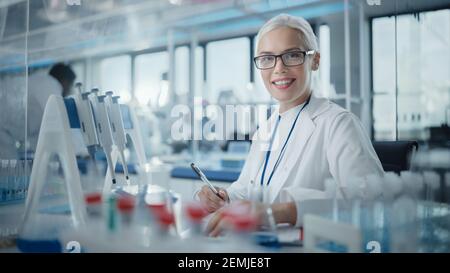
204 179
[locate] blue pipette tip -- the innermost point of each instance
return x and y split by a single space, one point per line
114 181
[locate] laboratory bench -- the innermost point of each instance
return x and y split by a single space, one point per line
13 213
213 174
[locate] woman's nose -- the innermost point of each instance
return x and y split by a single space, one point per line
279 65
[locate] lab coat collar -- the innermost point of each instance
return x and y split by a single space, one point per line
291 112
317 106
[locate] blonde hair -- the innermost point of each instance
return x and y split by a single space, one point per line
307 36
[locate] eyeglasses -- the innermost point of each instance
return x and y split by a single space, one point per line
291 58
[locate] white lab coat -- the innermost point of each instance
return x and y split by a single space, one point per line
16 104
327 141
40 86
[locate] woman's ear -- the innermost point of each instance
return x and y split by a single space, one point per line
316 61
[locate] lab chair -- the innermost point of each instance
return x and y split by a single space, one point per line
395 156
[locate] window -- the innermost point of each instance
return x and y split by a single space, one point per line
199 71
182 71
228 71
383 60
420 44
150 70
78 69
324 68
115 75
259 89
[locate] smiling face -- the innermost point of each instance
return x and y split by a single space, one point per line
290 86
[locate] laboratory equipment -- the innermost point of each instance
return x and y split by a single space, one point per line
54 140
111 214
320 231
87 123
104 126
133 134
387 214
103 129
117 128
126 205
93 204
14 180
92 179
437 160
40 229
195 213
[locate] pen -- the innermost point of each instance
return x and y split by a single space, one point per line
204 179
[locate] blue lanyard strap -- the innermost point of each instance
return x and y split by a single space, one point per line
268 151
280 156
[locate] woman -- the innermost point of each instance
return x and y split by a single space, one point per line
311 138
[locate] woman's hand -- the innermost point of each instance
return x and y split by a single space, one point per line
210 201
216 224
278 213
221 219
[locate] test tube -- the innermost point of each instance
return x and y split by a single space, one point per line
195 213
111 219
23 169
12 179
18 180
3 181
166 220
5 170
93 204
29 167
126 206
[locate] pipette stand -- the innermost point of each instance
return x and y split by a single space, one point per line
55 139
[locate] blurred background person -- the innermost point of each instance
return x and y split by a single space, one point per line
41 84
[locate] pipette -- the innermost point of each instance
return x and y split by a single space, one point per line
103 129
87 122
117 128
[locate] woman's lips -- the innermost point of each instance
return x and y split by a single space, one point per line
282 84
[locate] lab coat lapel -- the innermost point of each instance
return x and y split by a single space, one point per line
258 155
301 134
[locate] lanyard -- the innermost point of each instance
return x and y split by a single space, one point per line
280 156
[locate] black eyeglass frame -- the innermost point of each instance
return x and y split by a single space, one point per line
305 53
